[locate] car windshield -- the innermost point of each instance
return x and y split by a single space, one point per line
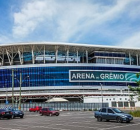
51 109
117 110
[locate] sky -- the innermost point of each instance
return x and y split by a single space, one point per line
97 22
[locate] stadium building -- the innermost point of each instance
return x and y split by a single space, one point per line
74 71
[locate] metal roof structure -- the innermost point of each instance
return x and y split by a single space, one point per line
63 46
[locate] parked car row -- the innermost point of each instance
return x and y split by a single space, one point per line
103 114
11 113
44 111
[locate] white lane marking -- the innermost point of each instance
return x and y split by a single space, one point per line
119 126
49 127
78 126
8 128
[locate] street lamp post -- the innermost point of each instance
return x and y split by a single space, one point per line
6 92
102 93
20 83
20 91
12 88
29 82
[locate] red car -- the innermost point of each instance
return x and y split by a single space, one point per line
36 108
49 112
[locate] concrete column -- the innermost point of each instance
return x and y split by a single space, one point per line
117 104
33 60
129 105
56 55
130 58
67 56
77 56
137 59
44 55
86 56
3 58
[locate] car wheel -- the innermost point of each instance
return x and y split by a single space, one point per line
12 116
41 114
99 118
57 114
50 114
127 121
119 120
21 116
107 120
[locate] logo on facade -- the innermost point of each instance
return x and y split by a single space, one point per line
95 76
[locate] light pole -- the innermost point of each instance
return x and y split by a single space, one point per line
29 82
20 83
12 88
102 93
6 91
20 92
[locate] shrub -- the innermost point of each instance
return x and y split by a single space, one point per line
135 113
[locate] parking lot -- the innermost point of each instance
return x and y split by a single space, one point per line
80 120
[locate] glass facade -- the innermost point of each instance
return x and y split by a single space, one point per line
54 76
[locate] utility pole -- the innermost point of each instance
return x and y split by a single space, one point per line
12 88
20 91
102 93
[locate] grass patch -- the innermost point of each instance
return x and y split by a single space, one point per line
135 113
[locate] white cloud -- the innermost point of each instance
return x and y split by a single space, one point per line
132 41
30 16
68 18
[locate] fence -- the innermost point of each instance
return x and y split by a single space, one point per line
60 106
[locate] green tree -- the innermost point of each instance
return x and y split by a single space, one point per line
136 90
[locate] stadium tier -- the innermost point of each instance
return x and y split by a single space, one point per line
65 67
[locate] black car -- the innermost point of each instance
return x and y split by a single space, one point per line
16 112
4 113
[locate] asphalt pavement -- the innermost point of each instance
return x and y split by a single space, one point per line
76 120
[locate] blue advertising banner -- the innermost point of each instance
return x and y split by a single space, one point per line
101 76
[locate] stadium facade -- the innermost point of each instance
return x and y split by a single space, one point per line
66 69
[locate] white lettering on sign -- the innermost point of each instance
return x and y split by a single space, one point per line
112 76
82 76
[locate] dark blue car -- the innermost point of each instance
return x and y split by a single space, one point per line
112 114
5 114
16 112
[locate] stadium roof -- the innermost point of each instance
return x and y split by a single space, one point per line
70 46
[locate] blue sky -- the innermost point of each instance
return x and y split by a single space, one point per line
103 22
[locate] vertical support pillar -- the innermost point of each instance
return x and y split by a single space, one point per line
105 61
83 59
77 56
117 104
67 56
20 91
12 58
3 58
137 59
12 88
33 60
20 57
56 54
44 54
86 56
130 58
